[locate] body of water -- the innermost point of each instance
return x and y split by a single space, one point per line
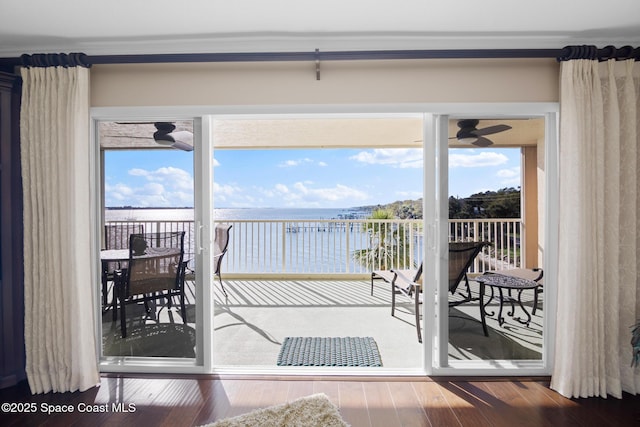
264 241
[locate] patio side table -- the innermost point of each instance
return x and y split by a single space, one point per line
510 283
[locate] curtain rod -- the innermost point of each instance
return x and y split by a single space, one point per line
329 56
564 54
87 60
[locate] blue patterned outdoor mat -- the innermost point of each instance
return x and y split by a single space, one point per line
317 351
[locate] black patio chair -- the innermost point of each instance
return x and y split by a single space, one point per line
220 246
155 271
116 236
387 276
461 257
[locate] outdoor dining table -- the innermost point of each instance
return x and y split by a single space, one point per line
107 256
114 255
503 282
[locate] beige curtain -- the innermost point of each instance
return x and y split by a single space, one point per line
599 234
59 303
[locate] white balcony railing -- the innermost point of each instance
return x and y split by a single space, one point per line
328 246
311 246
506 250
156 226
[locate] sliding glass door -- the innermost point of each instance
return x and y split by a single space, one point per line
465 201
155 210
315 204
493 253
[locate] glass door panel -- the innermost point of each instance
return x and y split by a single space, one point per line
315 204
147 189
492 247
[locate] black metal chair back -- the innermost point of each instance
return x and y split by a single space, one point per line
156 270
220 246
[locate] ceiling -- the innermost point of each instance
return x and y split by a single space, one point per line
404 132
98 27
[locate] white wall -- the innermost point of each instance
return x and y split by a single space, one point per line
342 82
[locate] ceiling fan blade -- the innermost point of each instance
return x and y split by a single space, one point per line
491 129
134 123
182 140
129 137
483 142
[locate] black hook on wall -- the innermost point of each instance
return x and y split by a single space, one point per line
317 64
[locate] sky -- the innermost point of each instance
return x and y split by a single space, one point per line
302 178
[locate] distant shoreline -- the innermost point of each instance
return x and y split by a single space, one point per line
187 214
126 208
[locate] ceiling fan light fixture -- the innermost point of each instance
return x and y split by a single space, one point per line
468 139
166 142
182 140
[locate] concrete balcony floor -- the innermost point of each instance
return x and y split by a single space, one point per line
251 323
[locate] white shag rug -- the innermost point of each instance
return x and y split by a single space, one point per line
310 411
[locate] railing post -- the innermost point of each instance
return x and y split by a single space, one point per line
523 249
348 247
284 246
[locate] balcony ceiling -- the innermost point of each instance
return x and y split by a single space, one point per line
403 132
196 26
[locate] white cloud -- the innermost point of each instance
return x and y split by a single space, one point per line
174 177
289 163
394 157
509 173
138 172
476 160
231 195
509 177
154 188
302 194
282 188
300 187
120 191
224 192
163 187
297 162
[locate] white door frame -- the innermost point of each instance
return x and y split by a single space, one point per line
203 222
435 223
436 204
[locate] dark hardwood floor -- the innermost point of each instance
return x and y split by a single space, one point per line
189 401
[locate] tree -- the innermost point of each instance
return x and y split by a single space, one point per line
504 203
388 246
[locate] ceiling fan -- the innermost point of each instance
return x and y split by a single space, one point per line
469 134
166 135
